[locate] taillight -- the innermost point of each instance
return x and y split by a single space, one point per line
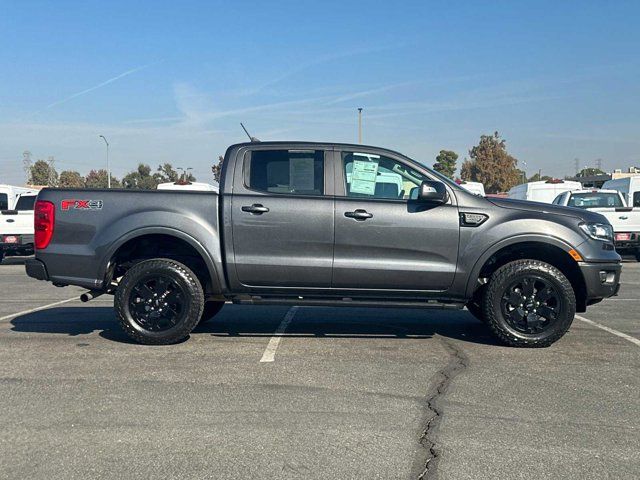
43 219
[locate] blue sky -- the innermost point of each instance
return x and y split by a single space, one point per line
170 81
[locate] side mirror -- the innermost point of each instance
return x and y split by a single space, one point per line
432 192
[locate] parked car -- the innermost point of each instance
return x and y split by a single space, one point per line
542 191
629 187
612 205
16 226
288 228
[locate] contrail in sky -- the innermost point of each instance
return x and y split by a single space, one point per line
100 85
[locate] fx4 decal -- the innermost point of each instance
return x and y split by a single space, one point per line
81 205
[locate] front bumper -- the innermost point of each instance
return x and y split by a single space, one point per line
36 269
602 280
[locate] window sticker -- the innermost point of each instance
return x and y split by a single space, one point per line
363 177
301 174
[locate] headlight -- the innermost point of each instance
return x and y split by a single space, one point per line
598 231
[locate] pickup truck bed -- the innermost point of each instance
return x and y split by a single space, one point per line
325 224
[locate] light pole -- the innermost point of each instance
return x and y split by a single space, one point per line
360 125
108 169
524 171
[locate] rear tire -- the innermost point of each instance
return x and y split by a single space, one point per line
210 310
159 302
637 255
529 303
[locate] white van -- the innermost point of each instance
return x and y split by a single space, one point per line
629 187
198 186
543 191
476 188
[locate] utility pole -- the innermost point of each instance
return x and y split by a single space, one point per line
51 181
360 125
108 168
26 165
577 162
599 164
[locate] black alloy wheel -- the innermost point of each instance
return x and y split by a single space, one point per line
531 304
157 303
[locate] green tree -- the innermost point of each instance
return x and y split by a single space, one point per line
446 163
70 179
538 178
42 173
491 165
216 169
141 178
166 173
98 179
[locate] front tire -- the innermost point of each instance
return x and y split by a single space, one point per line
159 302
529 303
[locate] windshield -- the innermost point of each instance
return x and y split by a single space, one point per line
26 202
595 200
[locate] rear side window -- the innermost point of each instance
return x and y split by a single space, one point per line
4 201
636 199
26 202
296 172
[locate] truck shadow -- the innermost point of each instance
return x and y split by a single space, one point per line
251 321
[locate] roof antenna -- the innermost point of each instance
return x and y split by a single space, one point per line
253 139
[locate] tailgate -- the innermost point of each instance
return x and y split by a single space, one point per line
14 222
624 221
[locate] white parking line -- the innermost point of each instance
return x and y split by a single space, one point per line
629 338
37 309
269 354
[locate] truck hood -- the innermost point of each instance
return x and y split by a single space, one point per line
527 206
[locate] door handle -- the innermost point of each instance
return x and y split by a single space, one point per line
359 214
256 209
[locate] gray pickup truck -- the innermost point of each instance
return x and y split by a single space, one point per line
325 224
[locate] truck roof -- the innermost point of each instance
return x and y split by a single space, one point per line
300 143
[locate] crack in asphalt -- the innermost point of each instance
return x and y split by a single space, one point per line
458 362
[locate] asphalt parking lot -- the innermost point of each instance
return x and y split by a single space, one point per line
343 393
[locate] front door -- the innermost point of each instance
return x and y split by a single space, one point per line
385 240
282 220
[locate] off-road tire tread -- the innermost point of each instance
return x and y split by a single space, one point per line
515 268
195 292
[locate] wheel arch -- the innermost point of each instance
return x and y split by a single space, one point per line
128 243
551 250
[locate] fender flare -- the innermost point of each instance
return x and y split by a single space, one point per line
523 238
105 263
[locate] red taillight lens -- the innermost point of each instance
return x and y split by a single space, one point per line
43 219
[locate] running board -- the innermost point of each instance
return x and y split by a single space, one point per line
345 302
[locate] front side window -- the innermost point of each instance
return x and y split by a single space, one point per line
375 176
298 172
595 200
636 199
4 201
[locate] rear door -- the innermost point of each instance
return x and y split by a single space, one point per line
384 240
282 218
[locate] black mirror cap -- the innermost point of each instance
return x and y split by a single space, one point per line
433 192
